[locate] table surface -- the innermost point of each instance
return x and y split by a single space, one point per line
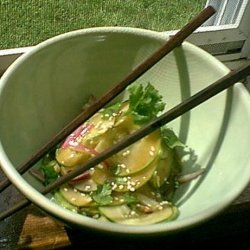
32 229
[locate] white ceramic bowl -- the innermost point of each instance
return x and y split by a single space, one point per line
45 88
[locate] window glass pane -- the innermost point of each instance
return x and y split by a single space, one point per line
27 22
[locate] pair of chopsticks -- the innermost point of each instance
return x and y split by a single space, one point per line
170 115
173 42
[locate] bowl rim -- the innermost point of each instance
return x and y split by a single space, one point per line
77 219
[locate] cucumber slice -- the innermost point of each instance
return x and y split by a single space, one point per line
138 156
69 157
164 166
62 202
105 141
75 197
135 181
87 185
101 125
100 174
124 215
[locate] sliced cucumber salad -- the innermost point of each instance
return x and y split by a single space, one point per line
132 187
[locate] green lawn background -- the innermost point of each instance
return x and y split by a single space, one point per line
28 22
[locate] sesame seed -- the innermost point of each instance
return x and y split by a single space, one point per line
152 148
65 189
151 153
121 187
123 165
73 199
82 194
159 207
125 153
164 203
132 189
57 168
75 190
127 171
133 213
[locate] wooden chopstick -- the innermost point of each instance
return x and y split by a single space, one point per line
172 43
188 104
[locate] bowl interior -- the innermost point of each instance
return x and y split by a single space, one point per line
48 86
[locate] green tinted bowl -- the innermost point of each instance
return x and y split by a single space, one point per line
46 87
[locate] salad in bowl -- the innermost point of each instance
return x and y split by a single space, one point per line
134 186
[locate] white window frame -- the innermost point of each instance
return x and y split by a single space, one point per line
229 26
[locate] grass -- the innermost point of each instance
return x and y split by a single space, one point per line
28 22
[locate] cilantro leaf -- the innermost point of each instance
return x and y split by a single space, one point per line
170 138
129 198
144 103
49 172
102 196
